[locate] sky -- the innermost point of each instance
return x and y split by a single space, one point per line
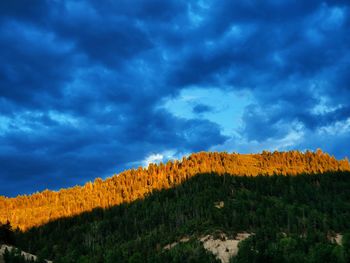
91 88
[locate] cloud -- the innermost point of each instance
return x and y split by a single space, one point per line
35 65
200 108
83 85
291 67
153 158
73 151
161 157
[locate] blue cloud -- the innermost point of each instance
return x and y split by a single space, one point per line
82 83
201 108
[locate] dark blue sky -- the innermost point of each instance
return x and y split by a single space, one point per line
89 88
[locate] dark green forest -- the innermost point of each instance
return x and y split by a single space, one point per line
291 218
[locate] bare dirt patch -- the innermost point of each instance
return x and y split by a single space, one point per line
26 255
223 248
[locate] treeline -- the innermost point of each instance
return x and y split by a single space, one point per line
33 210
291 218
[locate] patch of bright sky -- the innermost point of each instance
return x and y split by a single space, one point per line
227 106
241 145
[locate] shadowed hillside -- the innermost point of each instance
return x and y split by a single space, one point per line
290 219
39 208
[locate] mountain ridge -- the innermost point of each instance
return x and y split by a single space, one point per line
290 218
33 210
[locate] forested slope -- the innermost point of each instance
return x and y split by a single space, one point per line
33 210
291 219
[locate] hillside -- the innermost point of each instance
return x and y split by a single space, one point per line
302 218
34 210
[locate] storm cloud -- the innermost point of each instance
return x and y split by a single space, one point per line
83 83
